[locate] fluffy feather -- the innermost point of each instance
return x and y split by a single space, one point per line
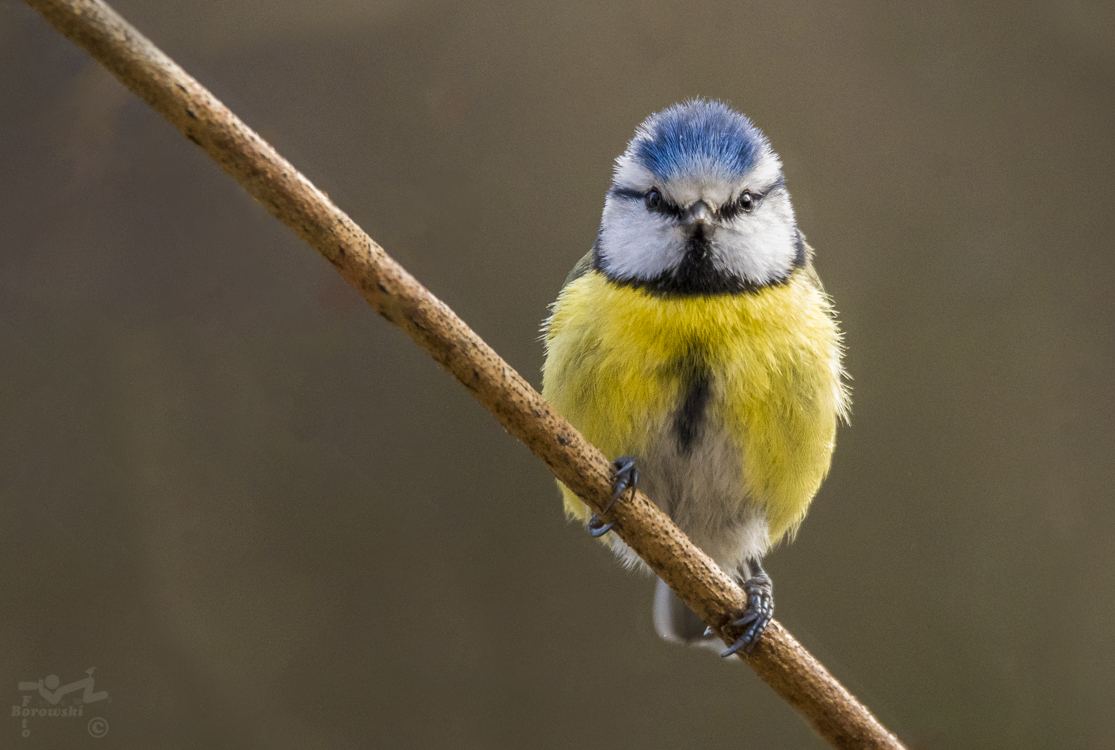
614 368
697 338
698 151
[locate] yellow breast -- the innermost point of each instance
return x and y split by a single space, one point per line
619 360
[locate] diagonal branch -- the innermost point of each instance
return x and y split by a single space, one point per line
778 658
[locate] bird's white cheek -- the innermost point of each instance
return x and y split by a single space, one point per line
762 249
636 244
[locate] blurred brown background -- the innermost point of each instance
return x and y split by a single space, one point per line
270 521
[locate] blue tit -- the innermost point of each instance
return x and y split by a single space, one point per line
695 345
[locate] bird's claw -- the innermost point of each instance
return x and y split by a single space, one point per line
597 528
756 616
627 477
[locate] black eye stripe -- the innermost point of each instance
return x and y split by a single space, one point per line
627 193
734 207
667 207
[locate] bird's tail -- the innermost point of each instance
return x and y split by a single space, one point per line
677 623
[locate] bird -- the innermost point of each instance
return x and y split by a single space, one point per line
695 346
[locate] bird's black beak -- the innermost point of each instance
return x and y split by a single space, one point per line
699 222
698 215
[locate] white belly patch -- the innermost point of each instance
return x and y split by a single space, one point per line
696 477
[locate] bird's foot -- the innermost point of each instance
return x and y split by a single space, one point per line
756 615
627 478
597 528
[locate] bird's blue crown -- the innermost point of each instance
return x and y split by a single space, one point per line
698 136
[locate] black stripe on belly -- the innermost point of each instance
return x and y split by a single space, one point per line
690 417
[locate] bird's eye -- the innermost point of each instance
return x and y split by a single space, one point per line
747 201
654 199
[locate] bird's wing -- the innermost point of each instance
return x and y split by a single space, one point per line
584 265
